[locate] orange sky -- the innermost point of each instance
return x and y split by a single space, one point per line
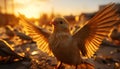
34 8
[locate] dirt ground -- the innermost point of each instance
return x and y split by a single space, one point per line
107 57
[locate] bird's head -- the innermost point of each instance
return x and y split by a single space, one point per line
60 24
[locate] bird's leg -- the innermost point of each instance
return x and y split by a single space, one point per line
59 66
76 66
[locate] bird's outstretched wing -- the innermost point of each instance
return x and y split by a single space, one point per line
38 34
90 36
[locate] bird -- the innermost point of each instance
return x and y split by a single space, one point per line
71 48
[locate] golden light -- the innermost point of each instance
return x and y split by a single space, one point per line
77 18
22 2
31 9
34 52
30 12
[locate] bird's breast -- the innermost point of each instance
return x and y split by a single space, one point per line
64 49
57 40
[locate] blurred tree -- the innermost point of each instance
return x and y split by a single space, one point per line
52 15
0 9
5 6
8 19
43 20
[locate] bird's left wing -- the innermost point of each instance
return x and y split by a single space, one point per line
38 34
90 36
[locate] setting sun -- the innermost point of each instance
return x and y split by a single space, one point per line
35 8
31 9
30 12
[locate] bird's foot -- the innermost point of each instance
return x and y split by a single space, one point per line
60 66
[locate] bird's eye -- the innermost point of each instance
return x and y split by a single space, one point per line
61 22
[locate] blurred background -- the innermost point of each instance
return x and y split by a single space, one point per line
17 46
42 11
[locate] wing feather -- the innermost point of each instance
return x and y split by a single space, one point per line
90 36
39 35
107 10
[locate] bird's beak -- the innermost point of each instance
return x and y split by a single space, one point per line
52 22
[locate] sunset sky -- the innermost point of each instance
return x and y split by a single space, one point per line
34 8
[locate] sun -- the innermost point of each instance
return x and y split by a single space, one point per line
30 12
27 8
32 9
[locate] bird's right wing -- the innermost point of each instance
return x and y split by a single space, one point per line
38 34
90 36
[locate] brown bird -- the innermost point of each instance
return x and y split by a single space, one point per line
70 48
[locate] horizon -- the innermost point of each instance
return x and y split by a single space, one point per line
34 9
